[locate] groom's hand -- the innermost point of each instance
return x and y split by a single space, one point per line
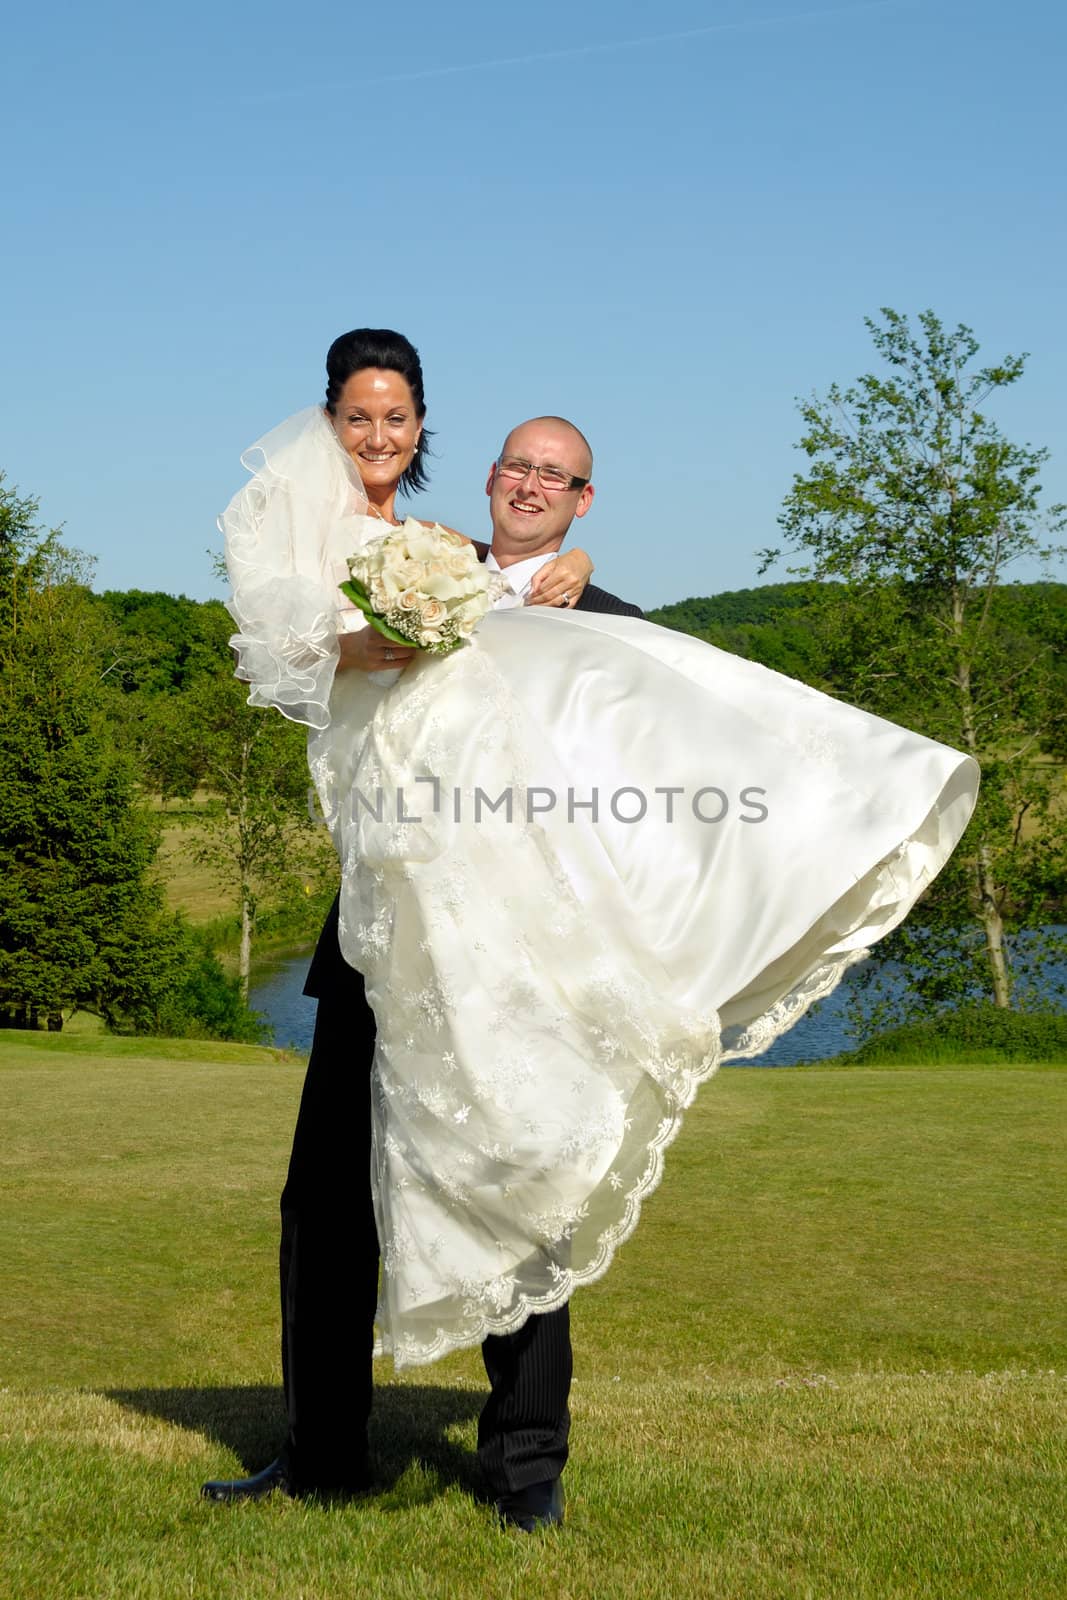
561 582
368 651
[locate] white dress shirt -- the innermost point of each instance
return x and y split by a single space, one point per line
520 575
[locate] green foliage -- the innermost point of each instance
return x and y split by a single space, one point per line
772 625
816 631
910 480
194 730
258 833
916 506
175 706
701 615
202 1001
24 551
161 645
171 759
295 913
74 848
82 924
163 641
969 1034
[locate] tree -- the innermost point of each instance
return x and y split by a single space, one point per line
175 704
771 625
167 640
259 834
73 849
918 505
162 644
82 923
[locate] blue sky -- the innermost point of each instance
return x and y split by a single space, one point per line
664 222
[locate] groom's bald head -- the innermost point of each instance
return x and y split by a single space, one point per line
561 430
528 518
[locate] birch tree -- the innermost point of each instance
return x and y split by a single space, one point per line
920 507
258 830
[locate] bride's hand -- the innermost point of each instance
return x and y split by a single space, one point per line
561 582
368 651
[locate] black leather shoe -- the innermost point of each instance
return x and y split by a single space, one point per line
273 1479
539 1505
278 1478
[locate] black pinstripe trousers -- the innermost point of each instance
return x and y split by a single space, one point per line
329 1263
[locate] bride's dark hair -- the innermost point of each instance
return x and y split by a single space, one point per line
381 347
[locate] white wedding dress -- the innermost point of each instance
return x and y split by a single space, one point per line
584 859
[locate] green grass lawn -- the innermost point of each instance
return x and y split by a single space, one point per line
831 1363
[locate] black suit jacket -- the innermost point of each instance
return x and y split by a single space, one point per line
594 599
329 974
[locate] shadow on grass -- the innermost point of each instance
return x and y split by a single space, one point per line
410 1425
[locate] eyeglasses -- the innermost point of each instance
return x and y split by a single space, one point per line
548 477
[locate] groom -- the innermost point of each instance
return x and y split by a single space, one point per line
541 481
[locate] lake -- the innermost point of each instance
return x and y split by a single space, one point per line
276 992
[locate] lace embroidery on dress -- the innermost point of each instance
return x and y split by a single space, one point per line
761 1034
523 1095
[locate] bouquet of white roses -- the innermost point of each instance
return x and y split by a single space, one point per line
420 586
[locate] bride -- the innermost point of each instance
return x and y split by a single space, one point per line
584 860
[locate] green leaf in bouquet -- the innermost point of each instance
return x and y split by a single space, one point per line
358 595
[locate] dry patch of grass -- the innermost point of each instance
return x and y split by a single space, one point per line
201 891
189 886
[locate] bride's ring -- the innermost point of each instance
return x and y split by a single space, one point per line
388 655
565 600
